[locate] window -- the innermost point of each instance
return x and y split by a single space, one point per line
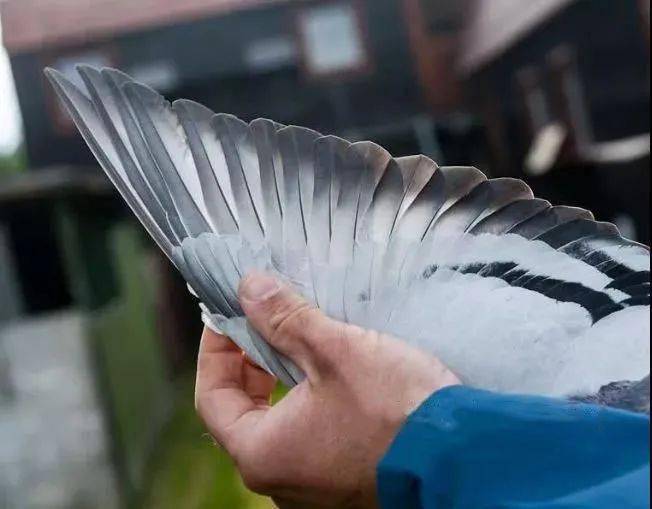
332 40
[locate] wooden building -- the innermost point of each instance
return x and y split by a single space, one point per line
355 67
563 91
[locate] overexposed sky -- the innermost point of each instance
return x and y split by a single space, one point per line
10 123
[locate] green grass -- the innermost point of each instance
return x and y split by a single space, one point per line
132 371
189 472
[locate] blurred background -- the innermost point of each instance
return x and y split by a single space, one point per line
98 335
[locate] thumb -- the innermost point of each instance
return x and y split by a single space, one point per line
289 323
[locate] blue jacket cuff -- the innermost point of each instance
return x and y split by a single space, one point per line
470 448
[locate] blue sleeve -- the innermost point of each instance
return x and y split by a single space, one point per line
466 448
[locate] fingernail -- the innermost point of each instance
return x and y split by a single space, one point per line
259 287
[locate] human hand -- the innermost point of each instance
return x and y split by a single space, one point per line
320 445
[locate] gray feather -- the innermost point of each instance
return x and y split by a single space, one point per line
382 215
549 219
459 182
167 150
133 139
91 127
196 122
239 154
296 148
507 218
265 134
344 222
376 160
482 201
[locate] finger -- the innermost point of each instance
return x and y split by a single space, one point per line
288 322
219 361
220 395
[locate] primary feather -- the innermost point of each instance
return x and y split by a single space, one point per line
512 293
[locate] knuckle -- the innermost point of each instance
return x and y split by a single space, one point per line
292 321
334 343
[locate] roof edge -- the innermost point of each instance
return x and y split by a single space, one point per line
493 28
75 24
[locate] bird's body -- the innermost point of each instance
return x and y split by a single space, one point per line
512 293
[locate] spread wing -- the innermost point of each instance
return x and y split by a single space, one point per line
514 293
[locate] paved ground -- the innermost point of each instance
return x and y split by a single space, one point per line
53 447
